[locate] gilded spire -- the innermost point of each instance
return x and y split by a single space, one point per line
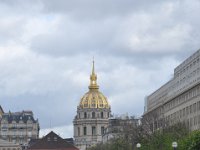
93 73
93 98
93 78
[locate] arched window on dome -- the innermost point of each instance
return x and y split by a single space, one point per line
100 103
93 114
85 115
86 102
93 103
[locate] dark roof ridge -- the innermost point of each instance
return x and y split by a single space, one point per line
52 141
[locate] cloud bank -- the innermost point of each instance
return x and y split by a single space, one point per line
46 50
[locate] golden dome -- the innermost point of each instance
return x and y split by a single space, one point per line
93 98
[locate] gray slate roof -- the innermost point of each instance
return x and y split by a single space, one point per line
19 116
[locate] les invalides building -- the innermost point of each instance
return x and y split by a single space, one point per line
92 116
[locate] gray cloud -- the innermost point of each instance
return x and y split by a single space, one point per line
47 48
159 32
95 10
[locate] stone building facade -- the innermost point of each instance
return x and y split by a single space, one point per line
6 145
19 127
118 126
179 99
92 116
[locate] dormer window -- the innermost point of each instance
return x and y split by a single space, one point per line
48 139
55 138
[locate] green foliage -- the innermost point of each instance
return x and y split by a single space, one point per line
159 140
191 142
162 139
116 144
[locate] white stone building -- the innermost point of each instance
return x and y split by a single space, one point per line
179 99
19 127
92 116
6 145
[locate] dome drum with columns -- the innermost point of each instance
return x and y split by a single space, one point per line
92 116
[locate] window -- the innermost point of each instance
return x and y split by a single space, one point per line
102 130
93 114
198 107
195 120
180 113
199 119
100 102
187 111
190 109
191 122
29 134
194 107
101 114
55 138
93 130
183 112
85 130
190 94
78 131
85 115
93 102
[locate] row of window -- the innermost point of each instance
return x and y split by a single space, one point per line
13 129
17 125
16 122
52 139
94 115
184 83
182 98
190 122
1 148
93 105
17 134
93 102
181 114
187 80
93 130
190 65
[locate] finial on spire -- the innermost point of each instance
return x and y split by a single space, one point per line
93 72
93 78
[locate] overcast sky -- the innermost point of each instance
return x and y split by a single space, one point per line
47 46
